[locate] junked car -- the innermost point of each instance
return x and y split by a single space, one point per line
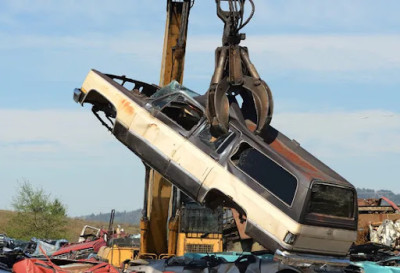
291 200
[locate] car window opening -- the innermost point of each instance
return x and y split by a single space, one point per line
216 144
332 201
186 115
266 172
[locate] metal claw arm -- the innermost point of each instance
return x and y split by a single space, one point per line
235 75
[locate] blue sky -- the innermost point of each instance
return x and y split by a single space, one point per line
333 67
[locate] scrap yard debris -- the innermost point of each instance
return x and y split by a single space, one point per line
388 233
96 250
12 251
62 266
378 222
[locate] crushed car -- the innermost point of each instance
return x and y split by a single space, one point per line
389 265
90 241
15 250
291 200
231 262
62 266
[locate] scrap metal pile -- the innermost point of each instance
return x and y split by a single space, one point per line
378 222
388 233
93 252
13 251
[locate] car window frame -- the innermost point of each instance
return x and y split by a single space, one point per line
157 112
195 139
234 151
327 183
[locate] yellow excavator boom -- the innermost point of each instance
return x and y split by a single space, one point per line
158 190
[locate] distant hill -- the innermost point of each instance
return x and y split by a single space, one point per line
368 193
127 217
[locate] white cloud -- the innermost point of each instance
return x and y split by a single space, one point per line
51 131
315 53
332 134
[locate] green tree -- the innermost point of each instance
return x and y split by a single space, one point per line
37 215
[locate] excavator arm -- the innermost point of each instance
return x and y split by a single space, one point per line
176 27
155 222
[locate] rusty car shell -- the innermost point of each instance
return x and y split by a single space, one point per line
85 246
169 132
62 266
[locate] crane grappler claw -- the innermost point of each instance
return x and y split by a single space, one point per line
235 75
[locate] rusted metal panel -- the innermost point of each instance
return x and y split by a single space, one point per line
240 224
372 212
366 219
369 202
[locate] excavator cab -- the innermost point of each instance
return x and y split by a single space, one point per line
200 229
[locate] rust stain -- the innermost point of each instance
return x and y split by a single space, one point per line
292 156
126 107
369 202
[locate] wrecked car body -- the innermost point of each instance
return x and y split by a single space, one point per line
4 241
88 243
232 262
90 240
390 265
9 257
370 252
61 266
291 200
18 250
210 263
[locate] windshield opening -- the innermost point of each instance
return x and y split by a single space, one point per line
183 113
172 88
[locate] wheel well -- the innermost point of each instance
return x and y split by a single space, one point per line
93 96
215 198
101 103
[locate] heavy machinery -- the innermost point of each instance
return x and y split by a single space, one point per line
235 75
163 231
220 152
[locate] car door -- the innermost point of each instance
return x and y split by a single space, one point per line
183 115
